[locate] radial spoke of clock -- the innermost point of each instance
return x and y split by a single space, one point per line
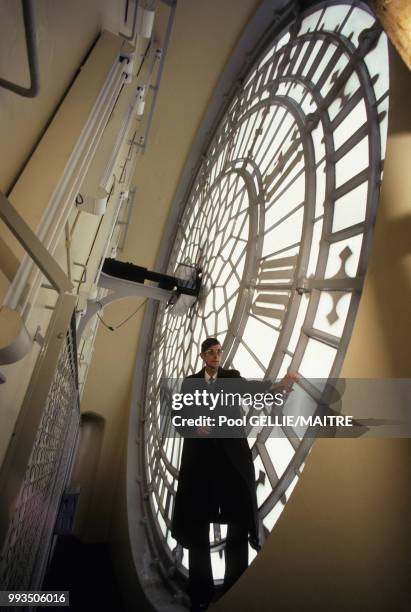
295 245
163 464
382 98
276 57
214 169
298 47
254 133
241 108
218 159
299 157
308 46
350 143
273 154
265 322
346 18
284 217
228 300
329 68
283 158
255 83
287 185
173 446
284 57
248 131
253 355
257 132
164 459
269 144
307 54
267 463
224 306
315 63
352 183
288 54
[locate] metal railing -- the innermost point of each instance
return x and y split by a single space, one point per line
39 456
37 464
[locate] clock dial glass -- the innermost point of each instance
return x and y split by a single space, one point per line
279 219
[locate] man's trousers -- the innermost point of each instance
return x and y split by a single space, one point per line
201 584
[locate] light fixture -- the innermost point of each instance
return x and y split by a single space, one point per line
140 100
95 204
147 21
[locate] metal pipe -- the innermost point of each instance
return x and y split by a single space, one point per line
160 70
32 57
68 250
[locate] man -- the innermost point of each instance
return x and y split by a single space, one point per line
216 485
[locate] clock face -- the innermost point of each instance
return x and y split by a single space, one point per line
279 219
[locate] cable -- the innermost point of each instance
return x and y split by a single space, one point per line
144 58
132 314
110 327
105 324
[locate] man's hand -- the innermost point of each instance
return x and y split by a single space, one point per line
203 431
289 379
285 385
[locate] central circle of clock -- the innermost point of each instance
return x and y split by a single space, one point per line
227 224
229 247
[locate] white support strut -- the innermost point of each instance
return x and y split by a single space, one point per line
120 290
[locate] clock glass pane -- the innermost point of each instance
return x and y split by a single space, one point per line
278 219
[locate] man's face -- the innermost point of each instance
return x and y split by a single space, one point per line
212 356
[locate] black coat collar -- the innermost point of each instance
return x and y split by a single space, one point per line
221 373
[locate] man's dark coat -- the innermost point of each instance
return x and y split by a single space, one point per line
217 480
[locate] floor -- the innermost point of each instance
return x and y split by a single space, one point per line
86 571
